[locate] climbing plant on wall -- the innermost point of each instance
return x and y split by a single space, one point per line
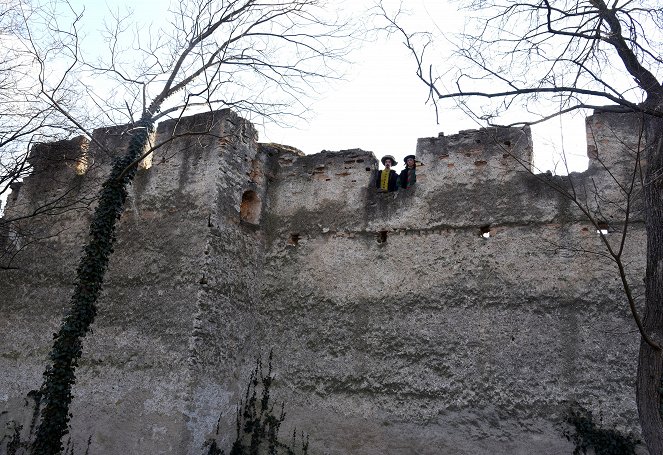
208 57
259 423
68 341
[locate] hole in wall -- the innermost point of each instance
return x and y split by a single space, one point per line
368 168
603 228
294 238
249 209
82 163
146 162
507 143
382 237
485 231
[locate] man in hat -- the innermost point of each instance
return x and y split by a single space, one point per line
387 178
408 175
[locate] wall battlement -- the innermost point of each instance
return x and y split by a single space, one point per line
397 325
484 162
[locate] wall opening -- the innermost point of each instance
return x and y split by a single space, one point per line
485 231
249 209
551 142
382 237
294 239
82 163
146 162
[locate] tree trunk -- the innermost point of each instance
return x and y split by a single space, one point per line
648 398
650 365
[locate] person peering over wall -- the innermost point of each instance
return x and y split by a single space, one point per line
387 179
408 175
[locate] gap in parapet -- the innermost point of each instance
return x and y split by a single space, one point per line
560 144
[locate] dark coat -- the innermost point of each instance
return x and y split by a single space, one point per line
402 179
393 180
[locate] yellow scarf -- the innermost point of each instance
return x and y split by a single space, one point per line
384 180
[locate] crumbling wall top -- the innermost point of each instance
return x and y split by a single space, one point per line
55 155
475 176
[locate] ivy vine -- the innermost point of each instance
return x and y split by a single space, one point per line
59 377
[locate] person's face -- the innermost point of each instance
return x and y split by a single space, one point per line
410 162
387 163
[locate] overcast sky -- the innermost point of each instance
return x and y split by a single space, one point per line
380 105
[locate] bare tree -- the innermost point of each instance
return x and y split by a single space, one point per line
536 60
260 57
25 118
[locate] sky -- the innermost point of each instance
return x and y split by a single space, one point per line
379 105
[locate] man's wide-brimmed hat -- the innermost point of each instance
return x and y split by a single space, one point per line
408 157
388 157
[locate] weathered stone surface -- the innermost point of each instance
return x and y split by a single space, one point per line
396 326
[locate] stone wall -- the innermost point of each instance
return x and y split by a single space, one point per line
463 315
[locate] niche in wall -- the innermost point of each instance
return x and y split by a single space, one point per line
249 209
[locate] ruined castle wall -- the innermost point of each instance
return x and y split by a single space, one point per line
174 321
414 333
397 327
41 253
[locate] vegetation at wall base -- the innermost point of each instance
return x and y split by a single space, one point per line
586 435
258 424
211 55
15 442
